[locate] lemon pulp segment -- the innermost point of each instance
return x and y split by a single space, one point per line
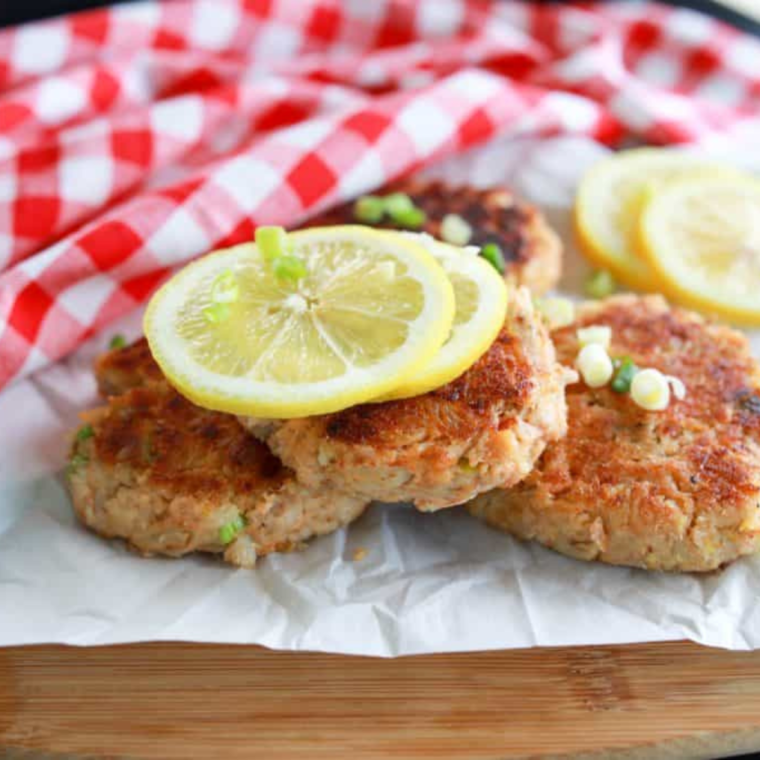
702 240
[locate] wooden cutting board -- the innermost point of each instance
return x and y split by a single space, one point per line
187 701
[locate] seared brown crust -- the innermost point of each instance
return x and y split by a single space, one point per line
496 387
674 490
531 249
177 445
123 368
437 450
166 475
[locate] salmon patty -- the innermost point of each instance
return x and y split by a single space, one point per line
485 429
673 490
531 249
171 478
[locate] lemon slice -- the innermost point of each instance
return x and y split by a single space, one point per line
366 310
702 239
610 198
480 294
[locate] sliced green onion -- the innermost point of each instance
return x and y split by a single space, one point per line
650 390
411 219
491 252
369 209
397 203
677 387
595 365
216 313
76 461
601 334
455 230
600 284
624 374
289 268
118 341
85 432
560 312
271 241
225 288
229 531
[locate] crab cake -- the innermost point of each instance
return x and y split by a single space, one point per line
171 478
120 369
672 490
483 430
532 251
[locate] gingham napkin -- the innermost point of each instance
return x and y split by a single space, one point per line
135 138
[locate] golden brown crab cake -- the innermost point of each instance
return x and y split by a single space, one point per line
132 366
483 430
171 478
672 490
532 250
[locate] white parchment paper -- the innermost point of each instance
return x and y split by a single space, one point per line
430 583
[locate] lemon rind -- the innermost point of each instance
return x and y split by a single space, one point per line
471 339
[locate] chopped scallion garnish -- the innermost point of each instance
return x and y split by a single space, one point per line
491 252
229 531
397 204
677 386
601 334
455 230
118 341
411 219
595 365
76 461
600 284
289 268
84 433
559 311
369 209
271 241
225 288
624 374
216 313
650 390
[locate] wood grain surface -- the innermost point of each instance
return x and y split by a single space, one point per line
187 701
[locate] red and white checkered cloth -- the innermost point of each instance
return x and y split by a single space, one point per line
135 138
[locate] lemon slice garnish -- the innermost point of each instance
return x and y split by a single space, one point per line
702 240
355 313
480 295
609 202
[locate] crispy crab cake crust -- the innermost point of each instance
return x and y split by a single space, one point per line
674 490
125 368
484 429
166 475
532 250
